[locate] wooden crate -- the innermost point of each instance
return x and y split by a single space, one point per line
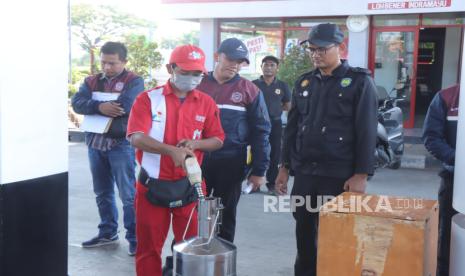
386 236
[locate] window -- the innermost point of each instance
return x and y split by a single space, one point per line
294 37
443 19
271 36
260 43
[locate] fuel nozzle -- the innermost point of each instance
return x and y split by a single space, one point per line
194 174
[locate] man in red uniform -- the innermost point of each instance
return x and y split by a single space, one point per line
167 124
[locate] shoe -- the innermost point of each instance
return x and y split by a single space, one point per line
100 241
168 267
132 249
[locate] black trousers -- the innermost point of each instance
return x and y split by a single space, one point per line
306 229
446 212
224 177
275 154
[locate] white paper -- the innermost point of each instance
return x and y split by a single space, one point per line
248 188
104 96
98 123
457 246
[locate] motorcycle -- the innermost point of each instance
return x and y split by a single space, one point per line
390 133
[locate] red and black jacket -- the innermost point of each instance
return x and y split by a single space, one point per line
440 127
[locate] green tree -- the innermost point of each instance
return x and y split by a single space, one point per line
295 63
81 61
94 24
77 77
191 38
143 55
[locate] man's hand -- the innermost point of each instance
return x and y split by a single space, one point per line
179 155
281 181
111 109
256 181
357 183
190 144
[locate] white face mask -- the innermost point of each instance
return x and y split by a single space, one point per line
185 83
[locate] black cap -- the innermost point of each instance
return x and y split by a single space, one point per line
325 34
271 58
234 49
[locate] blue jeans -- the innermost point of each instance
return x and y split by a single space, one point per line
109 167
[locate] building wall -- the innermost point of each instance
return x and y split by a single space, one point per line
205 10
33 138
451 62
459 177
358 43
208 40
290 8
358 48
33 90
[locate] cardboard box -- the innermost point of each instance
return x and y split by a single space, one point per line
373 235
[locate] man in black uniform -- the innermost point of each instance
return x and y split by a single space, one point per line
330 137
277 98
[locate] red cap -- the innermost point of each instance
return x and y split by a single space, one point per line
188 58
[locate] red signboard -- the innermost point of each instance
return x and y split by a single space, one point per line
422 4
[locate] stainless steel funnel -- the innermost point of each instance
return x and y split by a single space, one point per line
206 254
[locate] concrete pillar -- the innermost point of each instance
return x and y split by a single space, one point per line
209 40
459 183
457 245
358 48
457 267
451 62
33 138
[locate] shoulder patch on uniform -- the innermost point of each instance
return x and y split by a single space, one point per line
346 82
305 76
304 83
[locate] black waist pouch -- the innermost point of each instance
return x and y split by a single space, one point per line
165 193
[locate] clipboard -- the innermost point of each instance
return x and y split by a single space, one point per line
97 123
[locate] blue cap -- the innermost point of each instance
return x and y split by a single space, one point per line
234 49
323 35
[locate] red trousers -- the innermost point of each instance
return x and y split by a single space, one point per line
152 226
